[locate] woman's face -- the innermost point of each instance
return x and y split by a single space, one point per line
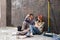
39 19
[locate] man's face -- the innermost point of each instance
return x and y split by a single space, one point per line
31 17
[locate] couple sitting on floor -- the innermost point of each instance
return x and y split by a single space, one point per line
31 26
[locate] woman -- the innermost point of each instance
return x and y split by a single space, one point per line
38 27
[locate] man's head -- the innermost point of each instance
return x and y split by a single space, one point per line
31 16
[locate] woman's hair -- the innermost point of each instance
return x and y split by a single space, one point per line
40 17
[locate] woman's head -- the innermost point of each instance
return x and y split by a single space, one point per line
40 18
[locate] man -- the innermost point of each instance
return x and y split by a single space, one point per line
29 20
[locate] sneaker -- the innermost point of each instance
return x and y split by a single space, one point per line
31 34
24 36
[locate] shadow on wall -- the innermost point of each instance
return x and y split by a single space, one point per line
53 26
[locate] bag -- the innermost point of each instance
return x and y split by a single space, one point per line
19 28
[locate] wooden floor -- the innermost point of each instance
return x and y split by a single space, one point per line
9 34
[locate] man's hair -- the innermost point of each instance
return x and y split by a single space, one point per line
31 14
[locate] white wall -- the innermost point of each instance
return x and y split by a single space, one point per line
2 13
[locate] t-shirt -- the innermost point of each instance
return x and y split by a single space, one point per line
39 25
31 22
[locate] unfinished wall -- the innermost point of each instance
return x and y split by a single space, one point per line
8 12
20 8
0 12
3 13
55 15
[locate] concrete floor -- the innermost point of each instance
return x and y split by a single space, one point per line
9 34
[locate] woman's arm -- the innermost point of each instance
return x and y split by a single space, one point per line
39 24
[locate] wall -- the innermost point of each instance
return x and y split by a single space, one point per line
55 15
3 13
0 12
20 8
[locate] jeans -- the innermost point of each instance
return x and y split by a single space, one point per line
34 29
55 37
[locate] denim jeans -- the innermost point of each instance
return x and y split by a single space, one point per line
34 29
55 37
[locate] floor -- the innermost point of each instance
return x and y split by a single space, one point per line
8 33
